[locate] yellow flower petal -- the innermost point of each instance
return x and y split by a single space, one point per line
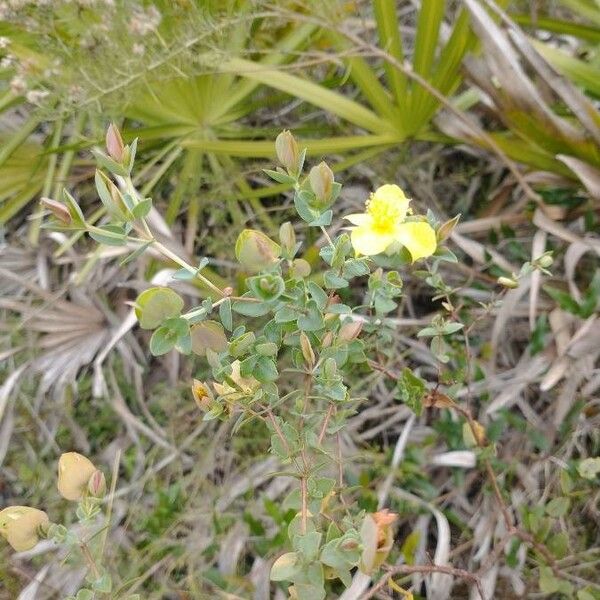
418 238
366 241
393 195
74 472
20 526
359 218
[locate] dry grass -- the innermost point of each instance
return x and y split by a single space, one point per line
198 513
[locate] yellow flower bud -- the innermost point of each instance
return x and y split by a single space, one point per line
287 237
307 351
508 282
321 181
350 331
74 473
545 260
21 526
255 251
286 148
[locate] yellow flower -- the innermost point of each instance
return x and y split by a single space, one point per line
21 526
245 386
202 395
384 223
74 473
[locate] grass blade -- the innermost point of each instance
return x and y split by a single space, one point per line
309 92
388 28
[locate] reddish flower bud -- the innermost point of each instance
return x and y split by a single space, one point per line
58 209
97 484
114 143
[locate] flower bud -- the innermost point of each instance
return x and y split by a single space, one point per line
473 434
447 228
349 331
74 473
377 539
97 484
321 181
287 237
300 268
508 282
327 340
545 260
286 148
58 210
255 251
21 526
202 395
307 351
114 143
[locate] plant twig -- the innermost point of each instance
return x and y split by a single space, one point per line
411 569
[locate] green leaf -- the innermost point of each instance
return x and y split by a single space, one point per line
267 349
250 309
285 567
109 235
410 547
208 335
450 328
164 339
108 163
411 390
103 584
318 295
225 314
308 545
241 345
280 177
135 254
156 304
333 281
323 220
549 584
74 210
589 468
355 267
558 507
564 300
558 544
142 208
311 320
265 370
266 287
